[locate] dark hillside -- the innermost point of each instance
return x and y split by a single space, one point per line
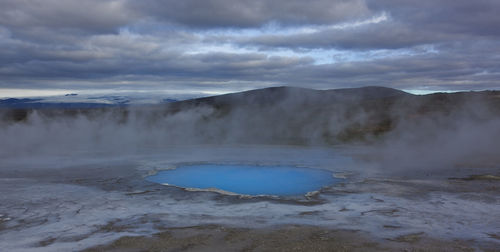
283 115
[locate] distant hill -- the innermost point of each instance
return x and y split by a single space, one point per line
27 103
68 102
274 94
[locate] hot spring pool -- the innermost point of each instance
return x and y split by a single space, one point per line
247 179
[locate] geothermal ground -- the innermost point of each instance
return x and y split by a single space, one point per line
412 172
61 203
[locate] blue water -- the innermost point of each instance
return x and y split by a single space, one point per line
246 179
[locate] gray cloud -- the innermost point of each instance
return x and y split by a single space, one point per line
385 35
446 16
239 13
72 15
227 45
410 23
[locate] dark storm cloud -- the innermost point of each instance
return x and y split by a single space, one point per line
233 44
242 13
377 36
448 70
446 16
409 23
89 15
120 57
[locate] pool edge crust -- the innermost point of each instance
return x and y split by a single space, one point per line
307 193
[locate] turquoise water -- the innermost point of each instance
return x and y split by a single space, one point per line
247 179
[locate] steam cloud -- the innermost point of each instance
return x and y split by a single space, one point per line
403 133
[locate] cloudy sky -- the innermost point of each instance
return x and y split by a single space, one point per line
218 46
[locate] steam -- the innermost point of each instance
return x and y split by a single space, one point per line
123 131
406 134
467 136
259 119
